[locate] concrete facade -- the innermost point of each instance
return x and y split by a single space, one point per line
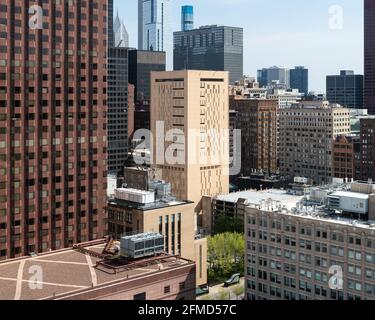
193 103
306 134
292 251
174 220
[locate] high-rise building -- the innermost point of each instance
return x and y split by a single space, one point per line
274 75
299 79
217 48
346 152
346 89
187 18
110 23
192 107
117 126
257 120
368 148
141 63
53 126
369 99
317 246
120 34
131 110
285 98
154 30
306 134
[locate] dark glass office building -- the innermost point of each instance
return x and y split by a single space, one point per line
346 89
141 63
110 23
299 79
369 97
117 117
217 48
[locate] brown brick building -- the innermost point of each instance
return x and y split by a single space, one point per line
368 148
53 125
257 120
346 156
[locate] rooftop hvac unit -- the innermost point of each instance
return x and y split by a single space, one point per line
142 245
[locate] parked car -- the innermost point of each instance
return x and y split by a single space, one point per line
202 290
234 279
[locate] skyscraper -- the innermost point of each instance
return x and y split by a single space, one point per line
141 63
306 134
187 18
154 30
187 102
277 75
121 35
53 126
368 148
369 98
117 115
257 120
299 79
345 89
217 48
110 23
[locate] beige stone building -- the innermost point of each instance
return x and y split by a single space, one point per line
173 219
192 103
318 247
306 134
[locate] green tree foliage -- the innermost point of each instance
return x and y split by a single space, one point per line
226 253
228 224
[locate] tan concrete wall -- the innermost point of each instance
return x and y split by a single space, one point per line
197 105
200 248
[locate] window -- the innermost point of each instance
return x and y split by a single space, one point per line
167 289
140 296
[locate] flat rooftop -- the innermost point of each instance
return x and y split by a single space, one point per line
281 202
350 194
254 197
158 204
69 271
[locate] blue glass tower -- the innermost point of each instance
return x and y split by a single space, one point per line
187 18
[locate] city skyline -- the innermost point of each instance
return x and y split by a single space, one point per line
265 33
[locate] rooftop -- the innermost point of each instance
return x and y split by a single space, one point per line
254 197
311 206
349 194
70 271
157 204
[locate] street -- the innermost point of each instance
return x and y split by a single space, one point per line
219 292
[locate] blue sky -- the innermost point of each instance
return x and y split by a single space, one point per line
285 33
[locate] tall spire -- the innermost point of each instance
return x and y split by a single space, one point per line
121 35
117 23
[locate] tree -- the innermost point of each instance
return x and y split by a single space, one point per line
226 253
